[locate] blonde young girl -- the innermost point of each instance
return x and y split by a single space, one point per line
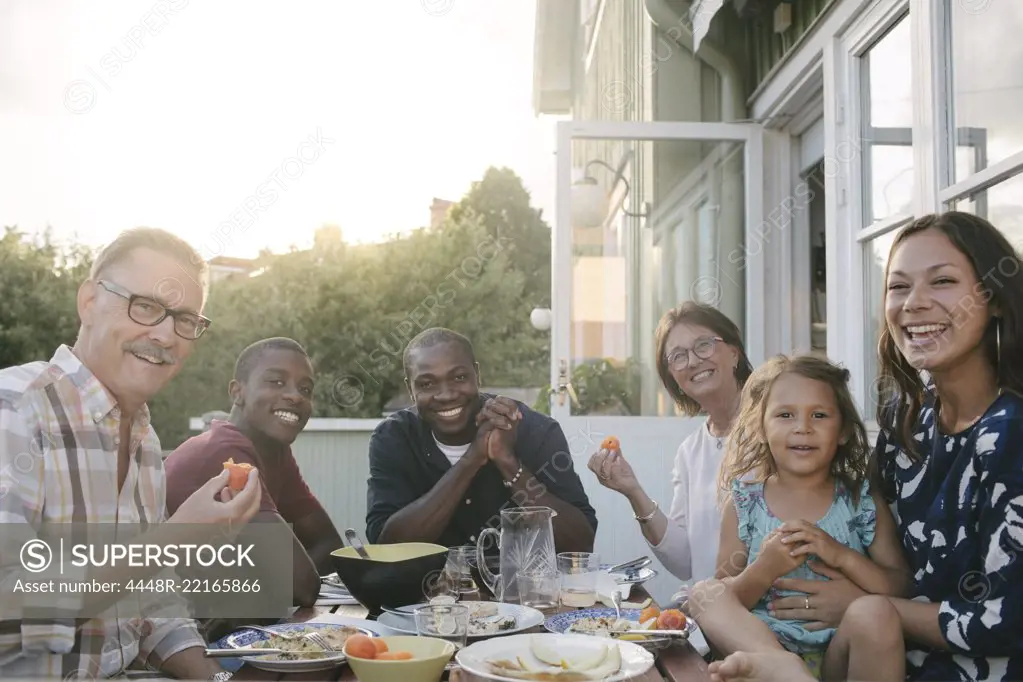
796 472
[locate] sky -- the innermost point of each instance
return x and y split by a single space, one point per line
261 120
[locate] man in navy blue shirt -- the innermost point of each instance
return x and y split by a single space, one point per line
442 470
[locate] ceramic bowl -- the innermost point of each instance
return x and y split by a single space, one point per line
429 656
394 575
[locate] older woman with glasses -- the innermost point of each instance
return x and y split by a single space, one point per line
703 365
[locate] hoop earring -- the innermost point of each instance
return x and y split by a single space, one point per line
998 344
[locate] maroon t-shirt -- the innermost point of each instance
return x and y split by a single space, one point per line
202 457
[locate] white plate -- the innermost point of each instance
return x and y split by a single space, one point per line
525 618
635 659
246 638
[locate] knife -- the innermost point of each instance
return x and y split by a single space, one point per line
233 653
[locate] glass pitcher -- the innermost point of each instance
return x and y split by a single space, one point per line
528 563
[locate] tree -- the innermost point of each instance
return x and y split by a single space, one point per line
353 308
39 283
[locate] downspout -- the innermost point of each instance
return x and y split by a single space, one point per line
676 27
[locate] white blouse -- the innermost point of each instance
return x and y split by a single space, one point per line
689 548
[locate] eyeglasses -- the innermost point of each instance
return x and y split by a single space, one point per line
148 312
704 348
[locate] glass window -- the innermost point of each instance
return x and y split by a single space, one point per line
875 259
1002 205
987 82
887 93
628 270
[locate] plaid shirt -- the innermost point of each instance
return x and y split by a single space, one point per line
58 464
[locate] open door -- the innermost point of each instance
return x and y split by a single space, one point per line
648 215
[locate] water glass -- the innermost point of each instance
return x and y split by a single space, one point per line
444 621
579 571
458 569
538 590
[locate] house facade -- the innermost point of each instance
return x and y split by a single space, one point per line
842 121
759 155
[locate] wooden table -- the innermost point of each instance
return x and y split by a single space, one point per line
678 663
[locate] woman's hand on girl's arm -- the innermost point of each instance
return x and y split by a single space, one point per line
828 598
886 574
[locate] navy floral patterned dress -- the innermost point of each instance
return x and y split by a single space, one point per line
959 511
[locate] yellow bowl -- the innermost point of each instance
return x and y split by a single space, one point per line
429 656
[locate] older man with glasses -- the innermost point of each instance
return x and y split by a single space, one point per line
77 446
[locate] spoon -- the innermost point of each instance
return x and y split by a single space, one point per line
355 542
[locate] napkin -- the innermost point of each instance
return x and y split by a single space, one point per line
607 586
334 595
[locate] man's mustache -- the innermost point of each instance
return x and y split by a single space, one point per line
152 350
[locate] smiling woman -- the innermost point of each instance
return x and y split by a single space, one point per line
703 366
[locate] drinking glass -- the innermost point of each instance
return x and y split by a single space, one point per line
458 569
579 571
445 621
538 590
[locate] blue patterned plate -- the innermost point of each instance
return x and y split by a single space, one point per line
247 638
569 623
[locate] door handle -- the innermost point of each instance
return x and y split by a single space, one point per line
565 386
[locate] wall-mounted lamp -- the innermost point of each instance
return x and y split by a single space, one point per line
540 318
590 202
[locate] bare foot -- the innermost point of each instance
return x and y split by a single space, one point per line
744 666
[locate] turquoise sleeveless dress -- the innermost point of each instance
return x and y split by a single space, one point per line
850 523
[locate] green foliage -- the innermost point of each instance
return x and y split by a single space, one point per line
602 387
355 308
38 289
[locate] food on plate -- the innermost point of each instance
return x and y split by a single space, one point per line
611 443
602 626
238 473
361 646
650 619
551 665
638 606
648 613
672 619
484 619
296 648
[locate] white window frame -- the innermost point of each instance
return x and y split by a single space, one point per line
949 190
933 142
847 228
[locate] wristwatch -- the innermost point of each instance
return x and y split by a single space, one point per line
222 676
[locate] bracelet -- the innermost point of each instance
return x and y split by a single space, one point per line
644 519
508 484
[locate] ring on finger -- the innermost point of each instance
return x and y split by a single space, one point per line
807 602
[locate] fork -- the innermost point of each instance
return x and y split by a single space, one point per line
314 637
320 641
616 599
